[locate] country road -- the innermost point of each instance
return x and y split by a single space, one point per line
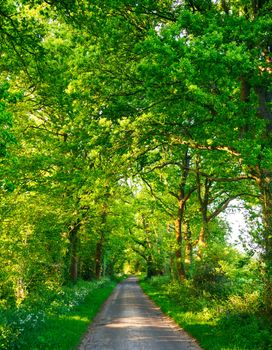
130 321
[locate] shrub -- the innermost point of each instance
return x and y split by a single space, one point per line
15 323
233 322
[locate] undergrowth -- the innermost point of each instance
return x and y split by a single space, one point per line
53 319
232 322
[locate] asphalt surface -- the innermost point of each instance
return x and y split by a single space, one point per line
130 321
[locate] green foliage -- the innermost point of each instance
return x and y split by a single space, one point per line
121 122
233 322
6 136
40 322
223 271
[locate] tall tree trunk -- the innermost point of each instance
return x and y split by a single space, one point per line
265 185
183 196
265 111
188 245
150 268
74 242
170 229
99 255
179 241
203 193
100 243
245 90
202 238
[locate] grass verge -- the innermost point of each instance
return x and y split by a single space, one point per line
64 318
216 324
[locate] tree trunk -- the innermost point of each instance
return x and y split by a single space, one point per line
265 185
225 6
245 90
99 256
100 244
170 229
265 98
179 242
182 196
204 202
264 181
202 238
188 245
151 270
74 242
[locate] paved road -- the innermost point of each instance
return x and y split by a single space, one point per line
130 321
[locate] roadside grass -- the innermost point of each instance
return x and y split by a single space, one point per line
64 319
217 324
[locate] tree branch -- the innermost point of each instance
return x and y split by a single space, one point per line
231 179
221 207
167 210
195 145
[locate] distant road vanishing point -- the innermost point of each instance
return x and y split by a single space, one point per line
130 321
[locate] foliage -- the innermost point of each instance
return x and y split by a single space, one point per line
232 322
224 271
126 128
35 319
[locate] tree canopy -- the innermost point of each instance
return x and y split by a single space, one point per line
126 129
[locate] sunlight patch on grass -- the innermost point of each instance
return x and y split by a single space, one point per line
76 318
216 324
63 331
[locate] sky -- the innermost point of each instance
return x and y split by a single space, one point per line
235 216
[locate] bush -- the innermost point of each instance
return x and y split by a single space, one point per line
212 280
230 322
15 323
224 271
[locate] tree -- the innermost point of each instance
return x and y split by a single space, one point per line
172 97
198 66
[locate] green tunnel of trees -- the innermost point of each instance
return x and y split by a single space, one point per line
126 129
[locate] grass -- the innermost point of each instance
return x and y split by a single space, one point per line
63 332
217 324
64 321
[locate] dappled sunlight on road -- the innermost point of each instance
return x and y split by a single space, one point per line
135 322
130 321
